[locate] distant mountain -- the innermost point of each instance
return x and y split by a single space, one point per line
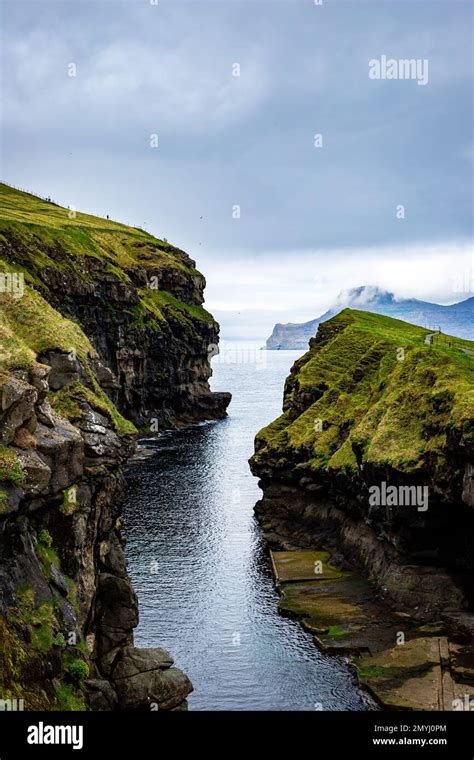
456 319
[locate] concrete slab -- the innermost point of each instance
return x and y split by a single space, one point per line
344 615
410 676
295 566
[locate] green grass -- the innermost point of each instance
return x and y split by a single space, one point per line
377 671
39 619
3 500
76 668
72 594
47 557
67 402
336 631
160 302
10 468
29 636
60 640
69 698
17 661
45 539
29 326
46 235
372 405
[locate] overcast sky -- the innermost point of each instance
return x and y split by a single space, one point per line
313 220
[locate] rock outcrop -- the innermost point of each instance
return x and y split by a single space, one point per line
372 461
104 332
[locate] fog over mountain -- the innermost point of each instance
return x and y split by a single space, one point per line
455 319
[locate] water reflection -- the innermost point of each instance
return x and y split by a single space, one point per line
201 572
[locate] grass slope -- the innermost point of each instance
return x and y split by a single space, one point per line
36 235
370 387
119 245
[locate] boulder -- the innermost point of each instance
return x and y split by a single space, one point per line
37 473
38 378
45 414
133 661
144 679
18 401
64 369
100 694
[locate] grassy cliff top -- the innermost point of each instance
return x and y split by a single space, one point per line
374 388
37 236
19 206
41 230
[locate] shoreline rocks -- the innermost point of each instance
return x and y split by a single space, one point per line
403 663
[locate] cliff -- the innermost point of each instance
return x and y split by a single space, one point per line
367 505
376 403
102 329
455 319
138 299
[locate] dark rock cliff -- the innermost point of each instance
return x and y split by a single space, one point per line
107 330
374 404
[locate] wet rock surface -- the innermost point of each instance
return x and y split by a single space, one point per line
403 663
145 679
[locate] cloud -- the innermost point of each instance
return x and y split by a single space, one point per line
250 297
313 221
130 80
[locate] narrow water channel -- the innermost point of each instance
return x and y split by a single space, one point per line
199 566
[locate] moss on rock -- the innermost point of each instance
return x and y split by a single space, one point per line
10 468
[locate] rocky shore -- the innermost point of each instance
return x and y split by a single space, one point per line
106 336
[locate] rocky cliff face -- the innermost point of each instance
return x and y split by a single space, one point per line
100 325
138 300
378 407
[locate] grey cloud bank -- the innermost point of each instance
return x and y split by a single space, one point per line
313 220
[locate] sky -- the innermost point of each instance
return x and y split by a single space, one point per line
198 121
